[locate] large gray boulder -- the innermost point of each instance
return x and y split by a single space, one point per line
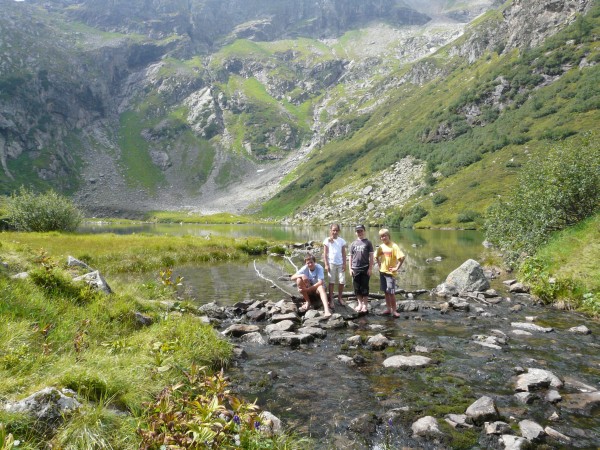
469 277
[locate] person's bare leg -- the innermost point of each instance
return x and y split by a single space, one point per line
330 299
324 300
302 286
340 293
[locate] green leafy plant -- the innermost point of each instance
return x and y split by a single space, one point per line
199 413
553 193
49 211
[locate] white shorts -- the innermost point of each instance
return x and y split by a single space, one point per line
336 273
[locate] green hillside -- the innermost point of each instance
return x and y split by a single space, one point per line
524 101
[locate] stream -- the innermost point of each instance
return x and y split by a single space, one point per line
369 406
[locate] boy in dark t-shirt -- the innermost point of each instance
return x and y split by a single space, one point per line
360 261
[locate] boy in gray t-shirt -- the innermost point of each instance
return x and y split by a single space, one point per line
360 260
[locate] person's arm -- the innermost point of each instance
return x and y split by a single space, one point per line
400 259
326 257
371 261
344 257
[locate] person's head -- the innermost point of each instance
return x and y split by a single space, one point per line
334 230
384 235
360 231
310 260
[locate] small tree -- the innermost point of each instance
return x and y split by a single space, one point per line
553 193
50 211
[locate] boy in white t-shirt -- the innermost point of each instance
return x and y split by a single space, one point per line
334 257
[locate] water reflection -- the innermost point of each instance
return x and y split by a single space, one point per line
420 271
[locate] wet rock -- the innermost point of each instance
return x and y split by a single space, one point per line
282 317
378 342
213 310
253 338
376 327
365 424
537 379
49 405
284 325
458 304
142 319
311 314
406 362
408 306
285 306
518 288
482 410
457 421
497 427
531 327
239 353
289 339
238 329
316 332
530 430
355 340
491 293
516 308
511 442
581 329
256 315
95 281
334 322
469 277
426 426
556 435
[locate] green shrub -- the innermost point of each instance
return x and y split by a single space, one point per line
553 192
467 216
50 211
438 199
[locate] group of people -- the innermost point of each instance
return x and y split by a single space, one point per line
360 257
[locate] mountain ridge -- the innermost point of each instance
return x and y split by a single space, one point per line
153 129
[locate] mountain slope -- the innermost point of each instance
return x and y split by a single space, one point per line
498 107
133 106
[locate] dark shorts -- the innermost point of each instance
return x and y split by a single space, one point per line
387 283
360 282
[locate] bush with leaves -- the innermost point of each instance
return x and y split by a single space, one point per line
28 211
203 413
558 190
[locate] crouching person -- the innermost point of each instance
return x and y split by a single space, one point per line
310 280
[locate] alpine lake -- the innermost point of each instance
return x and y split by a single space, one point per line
364 405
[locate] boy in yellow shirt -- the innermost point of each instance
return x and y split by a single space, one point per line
389 258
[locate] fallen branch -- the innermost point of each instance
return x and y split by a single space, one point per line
260 275
477 299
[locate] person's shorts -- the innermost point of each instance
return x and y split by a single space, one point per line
387 283
360 283
336 274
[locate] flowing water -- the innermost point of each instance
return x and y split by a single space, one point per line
318 395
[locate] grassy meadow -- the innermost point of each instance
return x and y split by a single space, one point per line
55 332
